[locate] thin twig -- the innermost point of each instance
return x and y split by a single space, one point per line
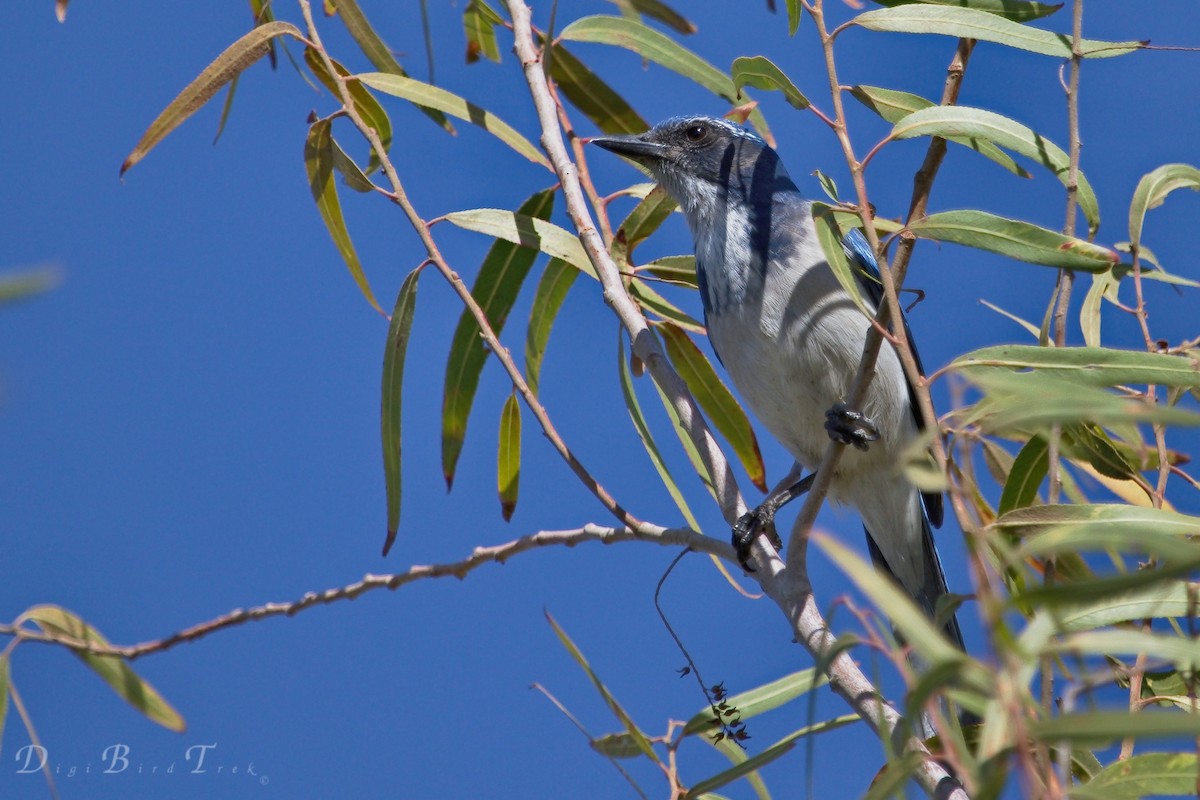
496 554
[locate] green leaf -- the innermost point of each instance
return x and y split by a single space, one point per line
773 752
508 460
1091 445
1098 527
762 699
794 8
1091 366
969 23
917 629
495 290
352 174
552 290
717 401
643 431
428 95
893 106
1028 470
1098 728
377 51
661 12
652 301
640 738
1153 189
680 270
479 25
1150 774
1016 10
761 73
950 121
616 745
114 671
1181 651
1028 326
1103 284
527 231
22 283
1031 401
1016 239
830 236
318 161
647 216
394 352
607 110
364 102
232 62
656 47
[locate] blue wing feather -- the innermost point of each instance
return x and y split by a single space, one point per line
859 251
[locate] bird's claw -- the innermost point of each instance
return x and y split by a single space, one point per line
751 525
849 426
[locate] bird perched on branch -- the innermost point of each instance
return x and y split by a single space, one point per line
791 338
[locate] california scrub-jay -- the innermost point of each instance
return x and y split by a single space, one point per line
791 338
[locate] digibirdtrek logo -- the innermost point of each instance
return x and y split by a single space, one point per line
199 760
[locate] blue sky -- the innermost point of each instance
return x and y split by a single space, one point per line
191 418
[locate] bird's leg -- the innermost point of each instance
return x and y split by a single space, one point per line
848 426
761 521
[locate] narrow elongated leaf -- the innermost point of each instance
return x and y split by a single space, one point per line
1016 10
762 699
508 460
1088 365
390 405
552 290
1181 651
428 95
1153 602
652 301
352 174
19 284
364 102
643 431
1028 469
480 28
893 106
661 12
678 270
377 51
598 101
971 23
114 671
717 401
1146 775
1153 189
917 629
495 290
632 729
644 220
318 161
1101 727
794 9
1023 241
318 158
662 50
227 66
830 236
525 230
949 121
773 752
1030 401
761 73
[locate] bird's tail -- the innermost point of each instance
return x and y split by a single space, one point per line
934 585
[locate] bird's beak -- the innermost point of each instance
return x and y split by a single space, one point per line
632 147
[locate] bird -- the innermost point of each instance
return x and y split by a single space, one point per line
790 338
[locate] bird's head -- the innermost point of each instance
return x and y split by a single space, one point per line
697 159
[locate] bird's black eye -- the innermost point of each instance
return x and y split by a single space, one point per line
696 133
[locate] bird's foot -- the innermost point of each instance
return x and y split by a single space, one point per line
848 426
751 525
